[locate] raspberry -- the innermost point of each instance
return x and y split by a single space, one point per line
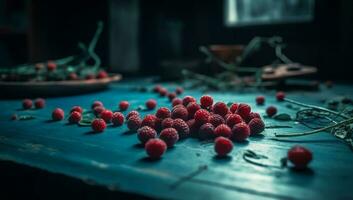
193 127
220 108
201 116
151 104
192 108
146 133
280 96
182 128
132 113
102 74
90 76
260 100
216 119
117 119
171 96
75 117
157 88
299 156
240 132
98 125
77 109
72 76
206 101
233 119
39 103
155 148
251 116
223 146
123 105
206 131
163 113
177 101
98 110
188 99
179 90
223 130
180 112
158 124
134 122
149 120
233 108
58 114
14 117
106 115
167 123
271 111
256 126
169 136
96 103
51 66
27 104
163 92
243 110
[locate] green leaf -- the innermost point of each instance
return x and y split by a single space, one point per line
282 117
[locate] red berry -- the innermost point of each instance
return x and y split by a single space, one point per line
75 117
14 117
163 113
155 148
182 128
271 111
299 156
27 104
106 115
39 103
171 96
132 113
146 133
223 146
193 127
90 76
220 108
149 120
98 125
167 123
123 105
180 112
96 103
192 108
134 122
206 101
240 132
117 119
206 131
179 90
77 109
72 76
223 130
216 119
177 101
280 96
251 116
151 104
256 126
233 108
169 136
38 66
102 74
98 110
188 99
163 92
201 116
233 119
157 88
243 110
58 114
51 66
260 100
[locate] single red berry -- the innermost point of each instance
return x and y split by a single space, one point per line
169 136
206 101
75 117
201 116
240 132
177 101
96 103
260 100
90 76
157 88
256 126
14 117
27 104
163 113
149 120
167 123
188 99
206 131
118 119
193 127
155 148
39 103
123 105
180 112
102 74
51 66
146 133
280 96
151 104
134 122
182 128
38 66
77 109
216 119
233 108
163 92
98 125
220 108
192 108
243 110
271 111
132 113
251 116
233 119
72 76
299 156
223 146
179 90
223 130
98 110
58 114
106 115
171 96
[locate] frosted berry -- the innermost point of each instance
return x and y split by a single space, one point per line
151 104
215 120
77 109
134 122
223 146
106 115
169 136
233 119
243 110
223 130
155 148
102 74
193 127
75 117
149 120
280 96
96 103
123 105
206 101
182 128
146 133
51 66
192 108
179 90
57 114
132 113
206 131
251 116
39 103
27 104
117 119
180 112
167 123
233 108
220 108
256 126
163 113
240 132
98 125
188 99
98 110
260 100
177 101
271 111
163 92
157 88
299 156
171 96
201 116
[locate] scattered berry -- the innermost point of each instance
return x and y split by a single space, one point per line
77 109
58 114
98 110
201 116
233 119
134 122
149 120
14 117
51 66
38 66
106 115
220 108
233 108
146 133
299 156
27 104
240 132
151 104
39 103
223 146
75 117
179 90
223 130
157 88
117 119
163 113
280 96
216 119
96 103
182 128
102 74
256 126
132 113
206 131
243 110
206 101
155 148
98 125
188 99
192 108
72 76
180 112
177 101
271 111
169 136
123 105
260 100
167 123
171 96
163 92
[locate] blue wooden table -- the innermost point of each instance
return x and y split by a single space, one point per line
190 170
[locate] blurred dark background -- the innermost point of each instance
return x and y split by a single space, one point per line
140 36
